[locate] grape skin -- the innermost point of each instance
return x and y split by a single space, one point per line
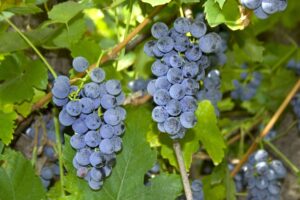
80 64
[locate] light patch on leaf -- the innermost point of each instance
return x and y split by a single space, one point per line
156 2
221 3
230 14
7 126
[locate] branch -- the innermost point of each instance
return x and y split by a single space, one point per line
106 57
184 176
267 129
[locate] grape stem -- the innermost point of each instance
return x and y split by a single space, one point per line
183 173
282 157
267 128
32 46
59 151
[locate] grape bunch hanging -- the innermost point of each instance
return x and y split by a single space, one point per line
94 111
181 59
263 176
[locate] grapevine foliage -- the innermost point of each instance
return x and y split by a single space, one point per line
94 95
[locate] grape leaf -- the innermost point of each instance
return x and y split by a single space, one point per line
127 179
206 131
11 41
229 14
18 76
79 49
24 9
156 2
18 179
220 2
64 12
7 126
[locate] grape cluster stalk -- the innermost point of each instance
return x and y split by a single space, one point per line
182 58
264 8
93 110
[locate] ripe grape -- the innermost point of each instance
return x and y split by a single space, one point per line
80 64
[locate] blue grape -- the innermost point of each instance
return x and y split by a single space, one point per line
65 119
176 61
77 141
210 42
148 47
198 29
108 101
181 43
182 25
260 13
165 44
177 91
172 125
251 4
49 152
188 104
151 87
193 53
61 87
80 64
188 119
96 159
190 70
82 172
159 30
83 156
175 75
60 102
117 143
92 121
106 146
92 138
282 5
74 108
97 75
120 98
159 114
159 69
113 87
47 173
46 183
121 112
106 131
161 97
269 6
166 58
160 127
157 52
91 90
87 105
119 129
96 174
173 107
95 185
190 86
162 83
112 117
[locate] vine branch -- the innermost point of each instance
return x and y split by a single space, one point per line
43 101
184 176
267 128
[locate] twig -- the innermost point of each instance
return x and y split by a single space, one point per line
184 176
293 167
106 57
267 129
32 46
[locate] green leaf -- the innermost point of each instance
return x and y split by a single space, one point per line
250 51
156 2
220 2
126 61
229 14
19 76
70 35
7 126
208 131
64 12
219 185
12 41
127 179
24 9
80 49
18 179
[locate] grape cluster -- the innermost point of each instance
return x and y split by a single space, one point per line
264 8
43 129
296 107
246 91
94 111
239 179
294 65
263 176
181 60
